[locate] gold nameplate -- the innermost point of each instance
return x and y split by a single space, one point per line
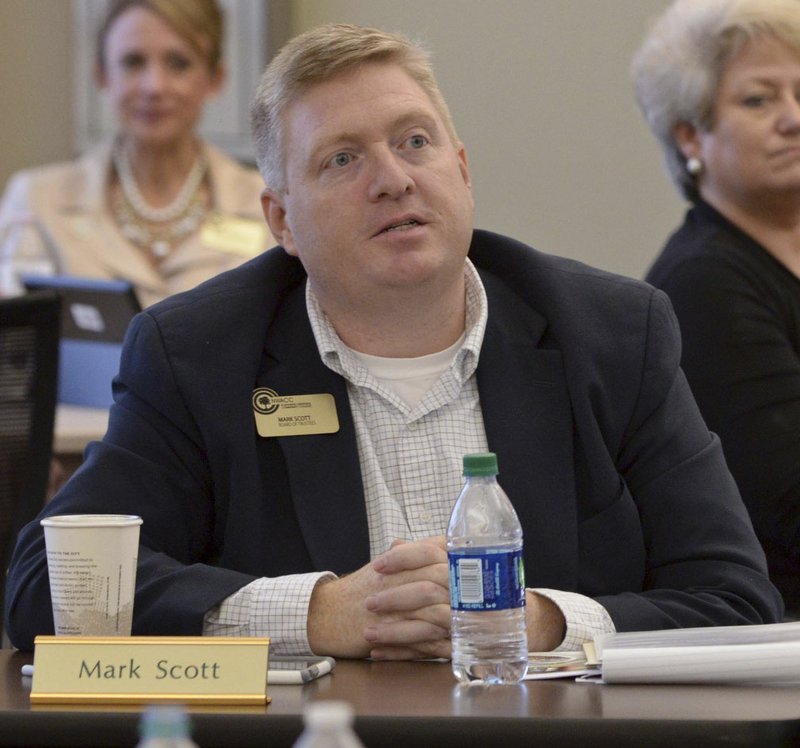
227 233
150 669
293 415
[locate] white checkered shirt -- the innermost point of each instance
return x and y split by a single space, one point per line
411 470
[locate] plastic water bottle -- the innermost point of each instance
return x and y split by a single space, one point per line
328 724
165 727
487 579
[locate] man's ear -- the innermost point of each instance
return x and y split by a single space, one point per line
461 153
273 205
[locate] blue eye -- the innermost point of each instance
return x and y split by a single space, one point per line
341 159
417 141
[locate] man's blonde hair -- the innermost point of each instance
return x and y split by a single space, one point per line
320 55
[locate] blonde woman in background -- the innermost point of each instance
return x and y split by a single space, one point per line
719 84
157 206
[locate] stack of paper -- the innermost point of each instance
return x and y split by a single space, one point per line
719 654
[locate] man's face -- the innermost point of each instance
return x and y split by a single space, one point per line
378 198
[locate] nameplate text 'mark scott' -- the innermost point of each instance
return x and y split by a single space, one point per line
150 669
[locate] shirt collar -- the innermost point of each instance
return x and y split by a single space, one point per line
337 356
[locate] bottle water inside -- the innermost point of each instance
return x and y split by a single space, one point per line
487 579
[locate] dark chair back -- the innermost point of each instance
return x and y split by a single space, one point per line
29 337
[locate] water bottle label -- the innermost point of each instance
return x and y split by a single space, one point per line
487 581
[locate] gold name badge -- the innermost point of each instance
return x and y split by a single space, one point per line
149 669
226 233
293 415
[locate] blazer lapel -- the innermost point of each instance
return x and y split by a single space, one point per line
324 470
528 420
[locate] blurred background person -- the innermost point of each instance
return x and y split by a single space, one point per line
157 206
719 84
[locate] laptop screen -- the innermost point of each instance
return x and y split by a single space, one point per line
94 317
93 309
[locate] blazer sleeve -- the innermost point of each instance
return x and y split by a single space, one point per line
152 462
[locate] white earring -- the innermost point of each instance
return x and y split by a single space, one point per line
694 166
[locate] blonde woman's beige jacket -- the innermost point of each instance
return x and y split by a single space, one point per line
56 218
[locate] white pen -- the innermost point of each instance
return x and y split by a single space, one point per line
313 671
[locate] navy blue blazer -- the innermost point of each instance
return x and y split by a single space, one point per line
622 492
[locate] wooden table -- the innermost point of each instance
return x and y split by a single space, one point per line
418 704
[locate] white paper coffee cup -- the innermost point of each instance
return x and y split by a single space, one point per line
91 562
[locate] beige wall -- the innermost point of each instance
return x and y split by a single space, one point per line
35 83
539 89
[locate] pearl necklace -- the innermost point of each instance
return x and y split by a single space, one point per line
158 242
135 199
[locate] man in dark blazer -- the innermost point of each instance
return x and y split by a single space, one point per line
631 519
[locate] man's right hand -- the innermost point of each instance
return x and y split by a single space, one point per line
396 607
